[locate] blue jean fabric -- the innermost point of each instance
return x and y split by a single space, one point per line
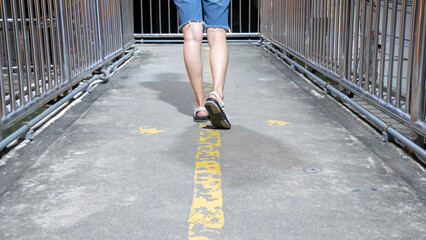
215 12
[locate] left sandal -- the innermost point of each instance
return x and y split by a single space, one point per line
199 118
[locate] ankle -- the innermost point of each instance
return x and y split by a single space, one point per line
219 93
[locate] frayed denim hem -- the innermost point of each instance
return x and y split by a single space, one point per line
226 28
196 21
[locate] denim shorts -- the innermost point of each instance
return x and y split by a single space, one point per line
215 12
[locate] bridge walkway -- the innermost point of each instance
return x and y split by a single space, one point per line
128 162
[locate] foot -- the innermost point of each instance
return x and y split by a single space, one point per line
217 111
200 114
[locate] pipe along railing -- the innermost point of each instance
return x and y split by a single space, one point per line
26 131
388 133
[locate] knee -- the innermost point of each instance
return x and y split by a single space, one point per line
216 35
193 32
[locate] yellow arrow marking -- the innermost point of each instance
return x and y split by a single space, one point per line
150 130
276 123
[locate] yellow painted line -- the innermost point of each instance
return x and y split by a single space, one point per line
206 218
150 130
276 123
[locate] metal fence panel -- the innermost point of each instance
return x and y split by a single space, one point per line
128 22
159 18
375 48
49 45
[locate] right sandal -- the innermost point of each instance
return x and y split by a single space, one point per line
217 112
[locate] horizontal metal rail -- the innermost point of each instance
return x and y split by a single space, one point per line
180 35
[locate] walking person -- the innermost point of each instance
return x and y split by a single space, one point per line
216 24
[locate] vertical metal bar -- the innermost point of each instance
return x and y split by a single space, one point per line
3 111
324 34
41 47
355 49
85 12
308 29
142 31
280 24
321 33
159 16
249 16
27 57
34 48
59 46
74 39
337 36
296 26
18 50
61 17
289 28
316 29
327 36
90 34
231 13
375 44
419 76
54 44
368 51
411 54
401 53
177 20
332 27
391 52
107 24
288 24
77 50
349 41
150 14
66 8
7 43
259 7
362 44
100 43
299 28
107 28
383 48
168 16
241 19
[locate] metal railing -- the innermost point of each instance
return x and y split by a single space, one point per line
373 48
47 46
159 19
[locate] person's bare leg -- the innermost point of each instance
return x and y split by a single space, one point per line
193 37
218 58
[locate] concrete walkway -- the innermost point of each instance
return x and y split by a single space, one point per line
128 162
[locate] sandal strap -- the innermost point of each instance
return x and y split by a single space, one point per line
198 109
218 98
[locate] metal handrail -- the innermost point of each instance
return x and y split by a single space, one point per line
60 43
351 43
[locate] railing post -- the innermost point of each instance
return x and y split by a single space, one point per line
308 30
61 14
419 77
344 39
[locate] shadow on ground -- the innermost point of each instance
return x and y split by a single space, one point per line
177 93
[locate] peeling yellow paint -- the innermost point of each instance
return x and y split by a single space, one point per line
206 213
150 130
206 218
276 123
